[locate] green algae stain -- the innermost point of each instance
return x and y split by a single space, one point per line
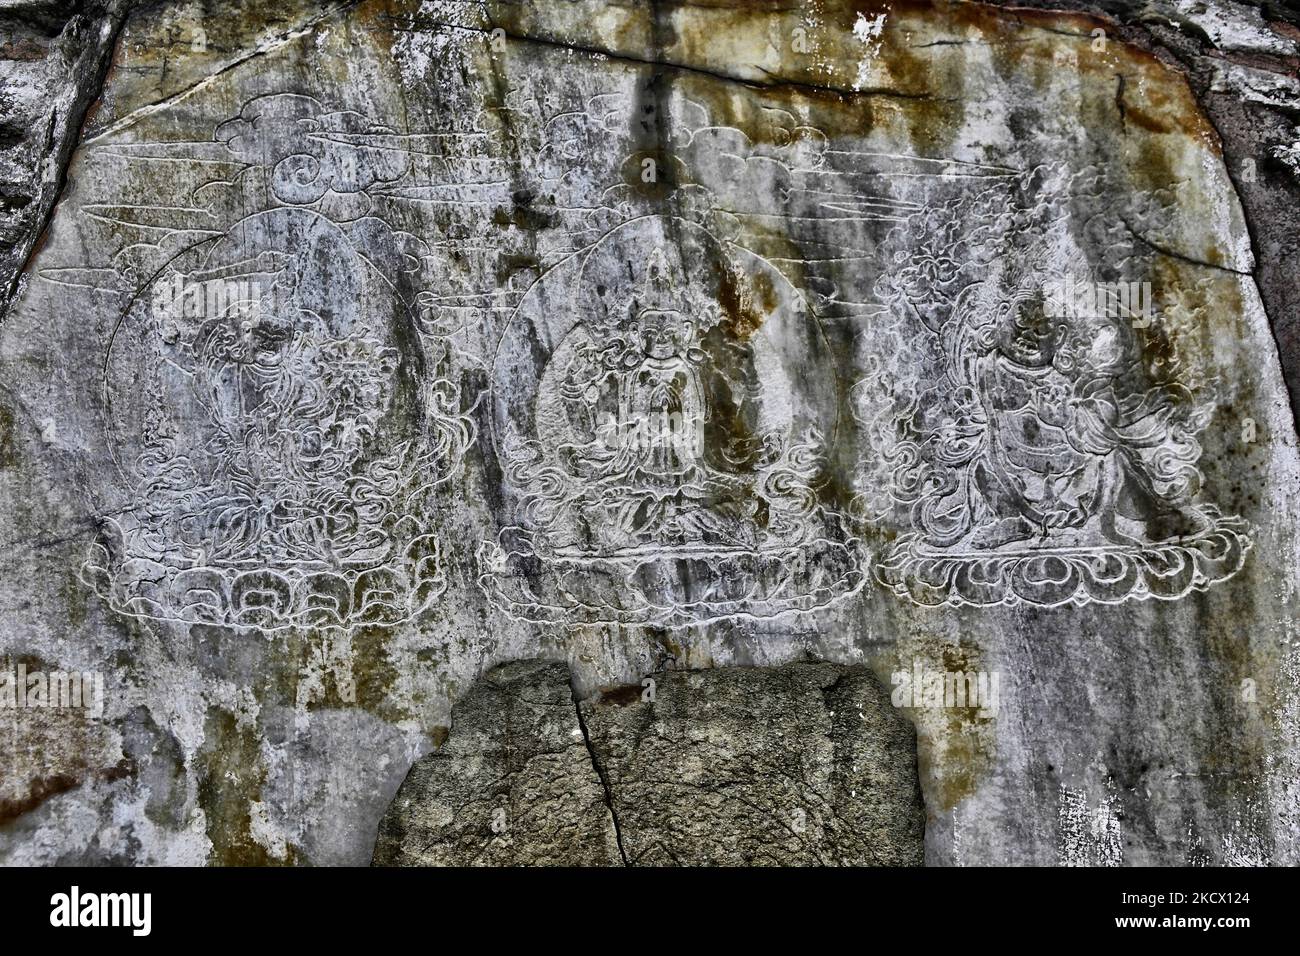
230 780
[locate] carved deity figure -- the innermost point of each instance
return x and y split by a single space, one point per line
1073 438
660 477
656 437
290 408
661 403
638 409
1051 464
280 478
638 404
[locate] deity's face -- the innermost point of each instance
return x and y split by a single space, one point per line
1026 334
248 335
664 334
247 358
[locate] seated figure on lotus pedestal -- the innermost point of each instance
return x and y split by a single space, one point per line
665 479
1052 468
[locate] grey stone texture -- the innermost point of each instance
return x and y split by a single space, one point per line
349 351
800 765
53 58
514 784
1241 62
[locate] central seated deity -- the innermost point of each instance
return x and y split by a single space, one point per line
664 473
640 428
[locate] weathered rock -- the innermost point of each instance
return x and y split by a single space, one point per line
806 764
513 785
801 765
372 345
1241 61
53 56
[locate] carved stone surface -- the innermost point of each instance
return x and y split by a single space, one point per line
272 485
372 345
663 458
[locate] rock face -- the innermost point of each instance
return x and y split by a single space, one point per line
53 56
802 765
806 764
514 785
359 348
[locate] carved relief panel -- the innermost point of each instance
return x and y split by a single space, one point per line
661 460
299 407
